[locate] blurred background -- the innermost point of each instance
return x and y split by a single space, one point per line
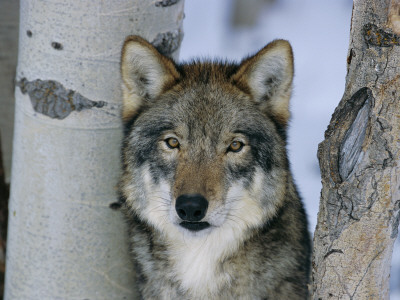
319 34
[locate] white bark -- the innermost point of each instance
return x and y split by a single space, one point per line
64 242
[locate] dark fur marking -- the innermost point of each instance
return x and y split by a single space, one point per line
260 143
281 129
128 124
244 172
156 130
208 70
205 103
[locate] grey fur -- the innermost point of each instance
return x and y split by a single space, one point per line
257 245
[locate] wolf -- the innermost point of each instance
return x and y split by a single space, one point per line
206 187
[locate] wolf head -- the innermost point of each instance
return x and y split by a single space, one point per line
204 146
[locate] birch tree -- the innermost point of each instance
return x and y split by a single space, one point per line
359 159
64 241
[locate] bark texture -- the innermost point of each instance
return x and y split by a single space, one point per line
64 241
359 160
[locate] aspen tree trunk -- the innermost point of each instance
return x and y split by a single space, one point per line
64 240
359 159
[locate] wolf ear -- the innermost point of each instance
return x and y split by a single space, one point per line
267 77
145 74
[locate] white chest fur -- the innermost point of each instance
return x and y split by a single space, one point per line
198 263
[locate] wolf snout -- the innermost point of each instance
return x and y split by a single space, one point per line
191 207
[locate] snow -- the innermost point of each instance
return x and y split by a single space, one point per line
319 34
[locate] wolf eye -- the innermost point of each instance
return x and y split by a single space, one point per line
235 146
172 143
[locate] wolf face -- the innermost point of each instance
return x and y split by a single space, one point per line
204 164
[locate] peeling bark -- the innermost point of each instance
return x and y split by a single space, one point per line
359 160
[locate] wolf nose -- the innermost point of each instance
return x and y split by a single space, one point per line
191 207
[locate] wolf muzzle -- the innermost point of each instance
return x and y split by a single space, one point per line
192 208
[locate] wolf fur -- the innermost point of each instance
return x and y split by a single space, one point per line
211 135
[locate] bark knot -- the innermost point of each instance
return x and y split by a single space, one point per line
52 99
345 135
168 42
166 3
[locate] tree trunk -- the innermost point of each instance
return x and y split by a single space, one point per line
64 241
359 159
8 62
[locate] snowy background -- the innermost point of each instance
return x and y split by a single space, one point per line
319 34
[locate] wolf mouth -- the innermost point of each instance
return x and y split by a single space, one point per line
194 226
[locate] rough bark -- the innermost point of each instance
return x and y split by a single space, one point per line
359 160
64 241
